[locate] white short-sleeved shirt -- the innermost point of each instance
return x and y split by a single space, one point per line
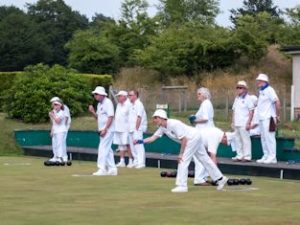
241 107
266 103
211 138
206 111
137 110
68 116
105 109
122 117
59 127
176 130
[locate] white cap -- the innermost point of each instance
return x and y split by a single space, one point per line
122 93
263 77
99 90
230 137
242 83
160 113
55 99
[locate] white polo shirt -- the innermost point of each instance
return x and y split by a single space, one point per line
59 127
211 138
105 109
176 130
241 107
206 111
122 117
266 103
137 110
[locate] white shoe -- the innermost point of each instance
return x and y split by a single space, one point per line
140 166
270 161
179 189
100 173
222 183
130 165
121 164
264 158
54 159
113 172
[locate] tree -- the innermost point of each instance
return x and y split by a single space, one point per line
251 35
253 7
91 51
290 33
21 44
57 23
188 49
133 31
182 11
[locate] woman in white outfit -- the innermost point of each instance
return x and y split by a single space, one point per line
58 131
204 119
67 114
191 143
105 118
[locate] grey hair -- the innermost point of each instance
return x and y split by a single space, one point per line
205 92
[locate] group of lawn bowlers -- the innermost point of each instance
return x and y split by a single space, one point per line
125 127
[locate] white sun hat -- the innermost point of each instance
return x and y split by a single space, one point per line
55 99
99 90
160 113
242 83
263 77
122 93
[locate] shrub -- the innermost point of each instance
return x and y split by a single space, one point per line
28 98
6 81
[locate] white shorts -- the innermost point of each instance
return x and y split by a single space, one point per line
121 138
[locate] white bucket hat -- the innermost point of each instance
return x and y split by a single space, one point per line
99 90
263 77
55 99
160 113
122 93
242 83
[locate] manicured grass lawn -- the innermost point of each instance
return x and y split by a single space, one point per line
32 194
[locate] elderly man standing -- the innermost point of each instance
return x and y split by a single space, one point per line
191 143
268 111
243 109
105 118
121 135
137 126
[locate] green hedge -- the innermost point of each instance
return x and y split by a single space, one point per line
7 79
26 96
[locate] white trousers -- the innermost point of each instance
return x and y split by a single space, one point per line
59 144
138 150
200 172
106 160
243 143
196 147
65 155
268 140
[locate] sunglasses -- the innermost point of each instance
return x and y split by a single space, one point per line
239 87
